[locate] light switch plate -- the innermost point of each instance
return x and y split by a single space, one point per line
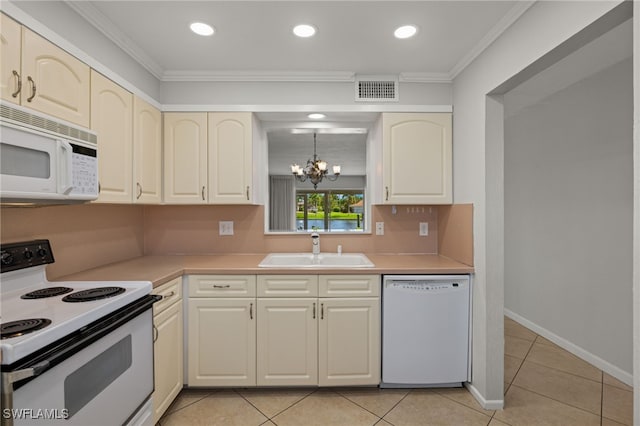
226 227
379 228
424 229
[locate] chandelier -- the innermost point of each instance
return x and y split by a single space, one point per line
315 170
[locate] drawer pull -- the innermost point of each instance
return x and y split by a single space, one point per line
18 84
221 286
168 295
33 88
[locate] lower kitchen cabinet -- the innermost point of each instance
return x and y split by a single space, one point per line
222 330
222 342
349 342
289 335
167 347
287 342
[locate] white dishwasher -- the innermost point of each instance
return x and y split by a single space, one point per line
425 330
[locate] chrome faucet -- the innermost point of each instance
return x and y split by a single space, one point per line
315 243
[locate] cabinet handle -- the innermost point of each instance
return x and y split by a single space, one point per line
139 190
387 189
155 333
250 310
18 84
166 296
314 311
203 193
99 188
221 286
322 311
33 89
247 192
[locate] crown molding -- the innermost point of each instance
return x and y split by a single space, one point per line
259 76
424 77
505 22
96 18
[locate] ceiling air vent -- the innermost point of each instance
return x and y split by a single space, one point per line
376 89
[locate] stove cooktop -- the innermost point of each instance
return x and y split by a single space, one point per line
28 298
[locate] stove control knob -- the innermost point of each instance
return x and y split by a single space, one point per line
28 254
42 252
6 258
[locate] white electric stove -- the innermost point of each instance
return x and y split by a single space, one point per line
72 352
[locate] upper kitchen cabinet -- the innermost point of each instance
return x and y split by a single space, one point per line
112 120
416 158
185 158
10 47
48 79
147 153
230 158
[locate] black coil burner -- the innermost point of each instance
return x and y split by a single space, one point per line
93 294
20 327
46 292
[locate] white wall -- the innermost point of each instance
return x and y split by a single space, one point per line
180 95
569 215
541 29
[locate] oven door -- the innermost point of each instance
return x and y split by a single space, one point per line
107 382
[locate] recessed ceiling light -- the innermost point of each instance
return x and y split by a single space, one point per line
201 28
316 116
405 31
304 30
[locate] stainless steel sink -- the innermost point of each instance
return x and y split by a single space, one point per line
322 260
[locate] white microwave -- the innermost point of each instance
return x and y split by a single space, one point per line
44 160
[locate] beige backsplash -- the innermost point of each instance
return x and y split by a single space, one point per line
82 236
90 235
194 229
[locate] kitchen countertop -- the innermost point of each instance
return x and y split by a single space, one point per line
160 269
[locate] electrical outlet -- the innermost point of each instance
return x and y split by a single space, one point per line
226 227
379 228
424 229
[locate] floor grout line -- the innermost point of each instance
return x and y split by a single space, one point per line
556 400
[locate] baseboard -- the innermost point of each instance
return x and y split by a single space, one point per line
491 404
587 356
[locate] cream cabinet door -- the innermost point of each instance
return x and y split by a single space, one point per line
349 342
185 158
147 153
111 119
222 342
53 81
287 352
417 158
167 358
230 158
10 47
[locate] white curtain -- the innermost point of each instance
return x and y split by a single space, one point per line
282 203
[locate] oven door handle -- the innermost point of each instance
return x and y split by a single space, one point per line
15 376
9 378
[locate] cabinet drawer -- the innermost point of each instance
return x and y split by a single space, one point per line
287 285
222 286
171 292
349 286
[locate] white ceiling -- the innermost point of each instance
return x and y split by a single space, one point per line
253 39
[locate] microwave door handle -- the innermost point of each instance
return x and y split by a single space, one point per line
65 152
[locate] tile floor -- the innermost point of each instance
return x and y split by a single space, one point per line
544 385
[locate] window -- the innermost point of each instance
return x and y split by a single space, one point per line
335 211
